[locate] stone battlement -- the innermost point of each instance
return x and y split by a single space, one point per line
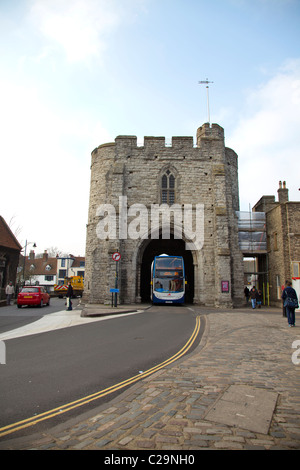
206 131
152 142
213 132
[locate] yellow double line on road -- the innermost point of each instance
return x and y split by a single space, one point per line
18 426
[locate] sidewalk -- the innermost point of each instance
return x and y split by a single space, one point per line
239 389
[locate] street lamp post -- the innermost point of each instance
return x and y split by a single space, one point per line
34 246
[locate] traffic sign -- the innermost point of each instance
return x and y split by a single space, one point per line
116 256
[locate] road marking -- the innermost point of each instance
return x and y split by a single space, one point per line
57 321
18 426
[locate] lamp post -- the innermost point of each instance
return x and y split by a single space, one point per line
34 246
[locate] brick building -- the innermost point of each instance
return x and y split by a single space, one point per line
40 270
10 250
127 179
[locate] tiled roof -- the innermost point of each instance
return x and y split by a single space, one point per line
77 260
40 265
7 238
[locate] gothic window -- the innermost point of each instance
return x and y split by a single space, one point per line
168 188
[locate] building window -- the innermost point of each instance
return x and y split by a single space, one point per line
275 241
63 263
62 273
48 278
168 188
296 269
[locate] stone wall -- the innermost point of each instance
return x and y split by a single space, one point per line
283 232
204 174
283 239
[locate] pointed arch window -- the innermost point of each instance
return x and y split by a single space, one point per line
168 188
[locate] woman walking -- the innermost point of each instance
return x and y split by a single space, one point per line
290 301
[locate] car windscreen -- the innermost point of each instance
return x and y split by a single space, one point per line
29 289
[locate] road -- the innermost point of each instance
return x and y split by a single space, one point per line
12 317
49 370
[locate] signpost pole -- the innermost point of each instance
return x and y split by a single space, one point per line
116 257
116 284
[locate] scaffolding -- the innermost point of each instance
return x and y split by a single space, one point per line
253 244
252 232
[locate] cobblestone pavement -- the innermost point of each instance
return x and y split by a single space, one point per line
170 410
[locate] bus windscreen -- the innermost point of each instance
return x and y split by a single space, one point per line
168 275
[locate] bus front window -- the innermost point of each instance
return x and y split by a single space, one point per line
167 284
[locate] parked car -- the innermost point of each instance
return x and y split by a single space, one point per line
33 295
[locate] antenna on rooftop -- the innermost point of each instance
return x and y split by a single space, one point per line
206 82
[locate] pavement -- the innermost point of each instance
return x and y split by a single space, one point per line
239 389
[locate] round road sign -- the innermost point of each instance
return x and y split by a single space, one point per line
116 256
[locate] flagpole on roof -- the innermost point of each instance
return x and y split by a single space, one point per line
206 82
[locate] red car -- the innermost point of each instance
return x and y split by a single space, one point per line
33 295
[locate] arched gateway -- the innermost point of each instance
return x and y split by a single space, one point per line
153 199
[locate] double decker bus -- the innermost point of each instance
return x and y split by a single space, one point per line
167 280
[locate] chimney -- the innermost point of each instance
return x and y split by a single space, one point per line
283 193
45 256
31 254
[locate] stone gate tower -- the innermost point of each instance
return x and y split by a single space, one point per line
128 180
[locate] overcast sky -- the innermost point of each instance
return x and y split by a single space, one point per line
77 73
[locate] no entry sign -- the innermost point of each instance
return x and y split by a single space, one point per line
116 256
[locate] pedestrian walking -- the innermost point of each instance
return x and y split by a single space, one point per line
259 299
9 291
247 293
290 302
283 307
253 296
69 296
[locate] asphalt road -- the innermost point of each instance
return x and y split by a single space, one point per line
49 370
12 317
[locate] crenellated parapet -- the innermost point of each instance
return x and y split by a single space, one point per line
211 132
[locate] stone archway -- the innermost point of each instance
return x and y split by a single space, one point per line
151 248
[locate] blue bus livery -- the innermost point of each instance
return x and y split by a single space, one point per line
167 280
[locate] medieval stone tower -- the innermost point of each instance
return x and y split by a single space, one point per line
128 180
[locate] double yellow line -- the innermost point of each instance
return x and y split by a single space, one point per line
11 428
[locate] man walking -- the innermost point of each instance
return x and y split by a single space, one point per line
253 296
69 296
9 291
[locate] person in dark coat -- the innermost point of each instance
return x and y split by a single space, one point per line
69 296
290 302
247 293
259 298
253 296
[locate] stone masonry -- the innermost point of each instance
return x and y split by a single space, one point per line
283 239
204 174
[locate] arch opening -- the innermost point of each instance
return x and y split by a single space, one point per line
170 247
